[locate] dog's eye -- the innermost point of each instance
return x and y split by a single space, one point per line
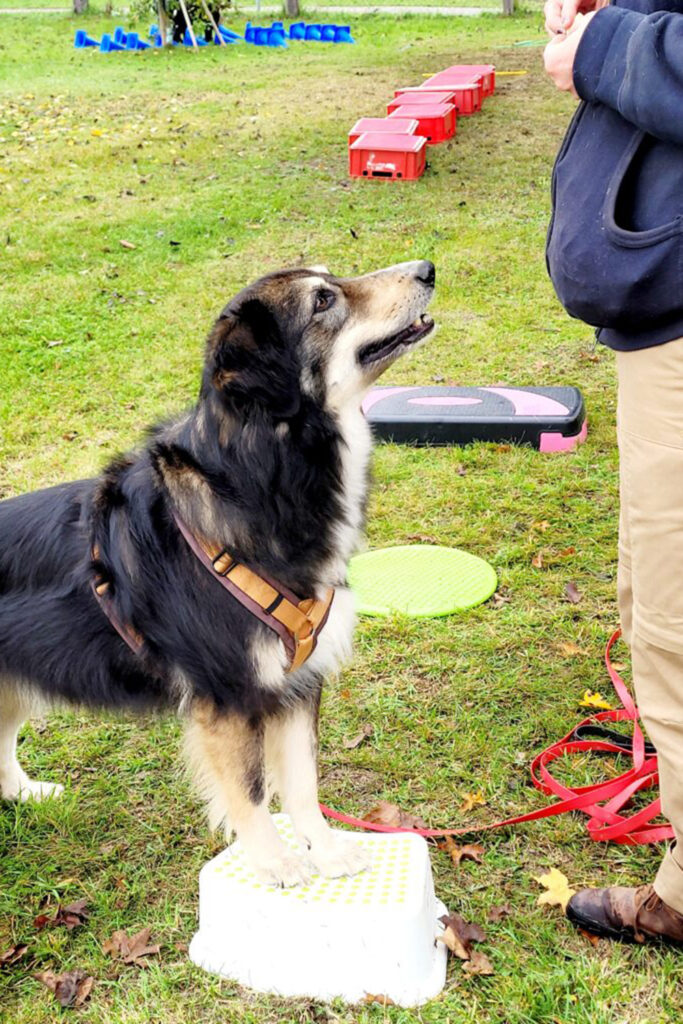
323 301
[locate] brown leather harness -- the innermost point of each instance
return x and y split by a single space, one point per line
297 622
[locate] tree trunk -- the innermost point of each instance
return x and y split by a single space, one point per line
292 8
508 6
80 6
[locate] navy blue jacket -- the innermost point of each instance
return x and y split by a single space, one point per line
615 241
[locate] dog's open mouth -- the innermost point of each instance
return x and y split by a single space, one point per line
377 351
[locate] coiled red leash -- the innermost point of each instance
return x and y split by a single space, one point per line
602 802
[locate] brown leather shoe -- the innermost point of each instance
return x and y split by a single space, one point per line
629 915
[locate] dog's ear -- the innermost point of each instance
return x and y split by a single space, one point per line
250 364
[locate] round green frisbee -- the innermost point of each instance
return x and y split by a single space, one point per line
419 580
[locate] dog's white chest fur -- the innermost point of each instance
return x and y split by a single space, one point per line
335 641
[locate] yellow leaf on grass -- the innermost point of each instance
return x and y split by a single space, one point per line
594 700
471 800
558 892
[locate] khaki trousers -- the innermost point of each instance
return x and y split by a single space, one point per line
650 578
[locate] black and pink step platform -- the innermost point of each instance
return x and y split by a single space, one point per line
550 419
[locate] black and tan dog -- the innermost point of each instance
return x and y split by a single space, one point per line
207 572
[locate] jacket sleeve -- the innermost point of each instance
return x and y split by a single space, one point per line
633 63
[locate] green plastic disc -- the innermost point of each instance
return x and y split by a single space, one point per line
419 580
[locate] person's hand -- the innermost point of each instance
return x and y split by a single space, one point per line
560 14
560 52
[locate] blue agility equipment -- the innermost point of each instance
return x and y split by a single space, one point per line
109 45
83 40
133 42
187 39
120 35
312 33
229 35
297 30
327 33
342 34
276 37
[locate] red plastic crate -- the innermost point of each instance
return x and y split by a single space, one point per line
418 95
467 96
436 122
404 125
485 73
384 155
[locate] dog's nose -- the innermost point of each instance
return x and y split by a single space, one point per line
426 271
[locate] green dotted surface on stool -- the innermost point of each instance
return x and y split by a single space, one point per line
420 580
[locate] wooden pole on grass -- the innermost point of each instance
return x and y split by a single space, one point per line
186 16
163 21
219 34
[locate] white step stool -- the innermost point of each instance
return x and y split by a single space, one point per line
373 933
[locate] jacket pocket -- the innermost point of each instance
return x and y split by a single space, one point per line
605 273
615 201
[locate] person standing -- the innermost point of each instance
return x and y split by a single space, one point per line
615 257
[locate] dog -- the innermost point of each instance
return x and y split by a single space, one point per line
112 590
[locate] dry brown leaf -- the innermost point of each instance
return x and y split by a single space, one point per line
558 889
542 526
126 245
478 963
497 914
537 560
70 989
570 650
382 1000
572 593
459 935
391 815
12 955
457 853
423 538
356 741
131 949
72 916
589 937
471 800
499 600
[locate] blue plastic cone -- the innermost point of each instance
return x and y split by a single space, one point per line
249 33
187 39
228 34
260 36
343 34
297 30
83 40
276 37
108 45
120 36
327 33
312 33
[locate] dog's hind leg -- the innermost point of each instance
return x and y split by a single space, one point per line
292 756
226 753
14 782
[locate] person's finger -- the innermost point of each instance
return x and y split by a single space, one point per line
553 17
569 11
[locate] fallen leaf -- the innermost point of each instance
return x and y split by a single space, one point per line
422 538
126 245
459 935
571 592
55 342
478 963
382 1000
497 914
470 801
594 700
459 853
385 813
570 650
589 937
70 989
499 600
558 892
589 357
537 560
356 741
70 435
542 526
12 955
131 949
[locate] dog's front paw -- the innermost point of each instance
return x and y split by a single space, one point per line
20 787
338 855
285 870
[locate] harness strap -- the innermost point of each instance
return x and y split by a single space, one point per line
297 622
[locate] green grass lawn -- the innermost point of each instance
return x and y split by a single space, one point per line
219 167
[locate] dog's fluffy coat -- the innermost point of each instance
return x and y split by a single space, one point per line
272 464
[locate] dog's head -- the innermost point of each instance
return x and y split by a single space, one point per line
305 333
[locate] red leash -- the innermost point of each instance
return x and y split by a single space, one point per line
602 802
